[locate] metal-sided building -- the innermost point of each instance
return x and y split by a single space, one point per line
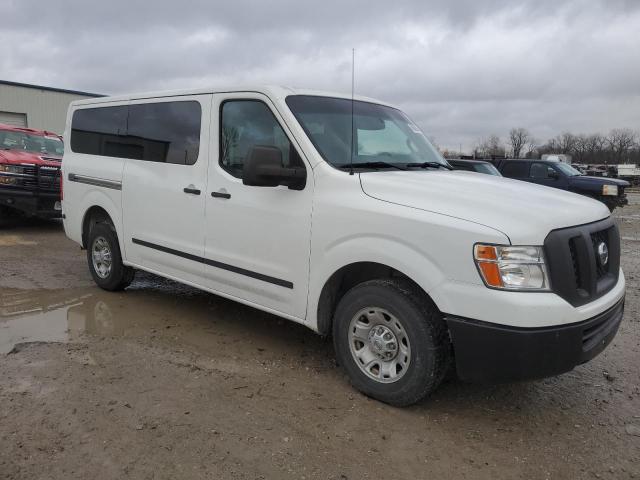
35 106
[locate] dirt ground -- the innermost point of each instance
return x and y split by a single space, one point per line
164 381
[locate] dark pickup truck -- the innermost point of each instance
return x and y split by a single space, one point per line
609 191
30 163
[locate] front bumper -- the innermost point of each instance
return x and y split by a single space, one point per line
38 204
487 352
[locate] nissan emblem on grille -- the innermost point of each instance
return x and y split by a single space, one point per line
603 253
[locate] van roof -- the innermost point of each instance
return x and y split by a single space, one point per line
272 91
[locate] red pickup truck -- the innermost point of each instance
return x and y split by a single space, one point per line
29 172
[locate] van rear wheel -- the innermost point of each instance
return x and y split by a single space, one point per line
392 341
105 260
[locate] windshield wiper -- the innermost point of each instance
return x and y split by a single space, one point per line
374 165
428 165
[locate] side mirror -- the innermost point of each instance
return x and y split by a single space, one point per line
553 174
263 168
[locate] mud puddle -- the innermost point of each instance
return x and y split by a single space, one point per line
24 319
155 309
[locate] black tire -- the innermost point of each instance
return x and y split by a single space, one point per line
120 276
610 204
430 354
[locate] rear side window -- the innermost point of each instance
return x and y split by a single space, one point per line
246 124
165 132
99 131
156 132
516 170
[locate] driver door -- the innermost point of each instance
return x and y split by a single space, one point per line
257 239
544 174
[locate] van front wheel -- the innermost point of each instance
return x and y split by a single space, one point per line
105 260
391 340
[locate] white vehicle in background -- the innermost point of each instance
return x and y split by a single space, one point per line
557 157
629 172
340 215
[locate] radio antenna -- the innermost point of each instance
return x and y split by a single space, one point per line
353 76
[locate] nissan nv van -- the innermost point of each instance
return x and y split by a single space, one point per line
337 213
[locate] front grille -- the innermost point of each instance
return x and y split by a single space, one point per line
577 274
37 178
596 239
49 178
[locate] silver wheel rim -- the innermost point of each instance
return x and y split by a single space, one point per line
101 255
379 345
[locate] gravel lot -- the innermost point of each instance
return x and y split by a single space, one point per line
164 381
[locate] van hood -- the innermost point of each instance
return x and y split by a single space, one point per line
523 211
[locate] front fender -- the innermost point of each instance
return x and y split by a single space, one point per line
384 250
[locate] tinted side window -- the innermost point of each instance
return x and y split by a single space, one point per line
99 131
516 169
245 124
157 132
164 132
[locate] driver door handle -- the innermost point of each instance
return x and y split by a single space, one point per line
221 195
191 190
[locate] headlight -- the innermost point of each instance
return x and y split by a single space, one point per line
10 168
610 190
7 180
512 268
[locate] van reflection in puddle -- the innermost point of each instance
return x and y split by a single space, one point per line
95 317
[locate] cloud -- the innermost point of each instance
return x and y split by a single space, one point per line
461 69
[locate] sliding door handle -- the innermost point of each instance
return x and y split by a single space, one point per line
221 195
191 190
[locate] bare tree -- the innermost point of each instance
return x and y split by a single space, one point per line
566 143
620 146
531 148
518 138
580 148
595 145
621 141
490 147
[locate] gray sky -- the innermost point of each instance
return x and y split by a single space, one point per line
462 69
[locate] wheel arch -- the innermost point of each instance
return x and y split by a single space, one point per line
348 276
95 214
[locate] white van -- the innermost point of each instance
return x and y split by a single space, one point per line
340 215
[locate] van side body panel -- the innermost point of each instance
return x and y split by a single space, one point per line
158 214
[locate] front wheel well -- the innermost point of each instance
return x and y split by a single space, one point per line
92 217
343 280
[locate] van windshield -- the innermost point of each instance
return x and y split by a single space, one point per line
382 136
